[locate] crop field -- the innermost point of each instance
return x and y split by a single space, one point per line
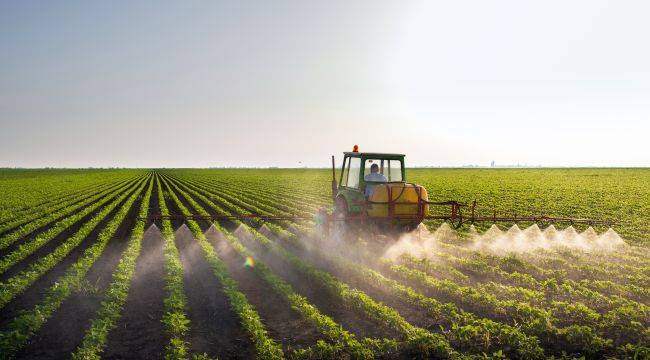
88 268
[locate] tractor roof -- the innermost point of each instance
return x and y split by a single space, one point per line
374 155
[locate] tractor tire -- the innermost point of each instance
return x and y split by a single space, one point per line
340 224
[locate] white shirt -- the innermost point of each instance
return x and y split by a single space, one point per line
375 177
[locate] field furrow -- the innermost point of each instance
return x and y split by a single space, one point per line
414 336
28 323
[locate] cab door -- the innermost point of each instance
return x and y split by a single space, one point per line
350 184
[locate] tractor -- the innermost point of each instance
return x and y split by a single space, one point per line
382 198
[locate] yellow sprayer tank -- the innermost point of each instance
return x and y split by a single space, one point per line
406 208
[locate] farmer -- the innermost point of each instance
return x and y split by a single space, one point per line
374 176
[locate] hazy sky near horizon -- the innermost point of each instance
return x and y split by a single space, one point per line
288 83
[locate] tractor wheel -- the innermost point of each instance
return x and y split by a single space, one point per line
340 223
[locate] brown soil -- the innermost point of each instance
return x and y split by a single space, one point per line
139 333
47 226
411 313
23 213
47 247
317 295
284 324
35 293
214 328
63 332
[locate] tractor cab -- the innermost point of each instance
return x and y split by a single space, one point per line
372 186
357 174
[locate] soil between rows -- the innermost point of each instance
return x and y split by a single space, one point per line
214 328
29 211
53 243
35 293
317 295
414 315
284 324
45 227
65 330
321 297
140 333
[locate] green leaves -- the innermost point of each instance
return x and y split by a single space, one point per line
27 323
115 296
175 301
266 347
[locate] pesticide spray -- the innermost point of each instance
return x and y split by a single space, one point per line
423 243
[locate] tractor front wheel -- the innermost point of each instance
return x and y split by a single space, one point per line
341 214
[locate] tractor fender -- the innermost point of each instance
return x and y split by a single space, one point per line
352 200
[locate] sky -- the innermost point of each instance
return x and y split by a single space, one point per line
289 83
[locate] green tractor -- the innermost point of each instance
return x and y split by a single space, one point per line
372 189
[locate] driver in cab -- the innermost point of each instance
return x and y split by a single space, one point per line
374 176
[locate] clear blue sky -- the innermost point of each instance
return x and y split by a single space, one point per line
275 83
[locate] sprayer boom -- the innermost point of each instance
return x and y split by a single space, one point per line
457 217
156 217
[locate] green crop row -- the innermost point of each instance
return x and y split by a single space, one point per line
266 347
29 247
486 335
576 270
534 321
23 327
23 190
579 313
175 319
247 206
421 339
283 190
244 208
614 260
458 248
52 205
110 311
527 272
559 306
260 205
343 340
611 316
19 213
610 300
19 282
554 282
24 230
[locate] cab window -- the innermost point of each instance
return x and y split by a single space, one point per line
353 172
391 169
394 170
369 162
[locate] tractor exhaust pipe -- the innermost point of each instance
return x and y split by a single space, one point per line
334 185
